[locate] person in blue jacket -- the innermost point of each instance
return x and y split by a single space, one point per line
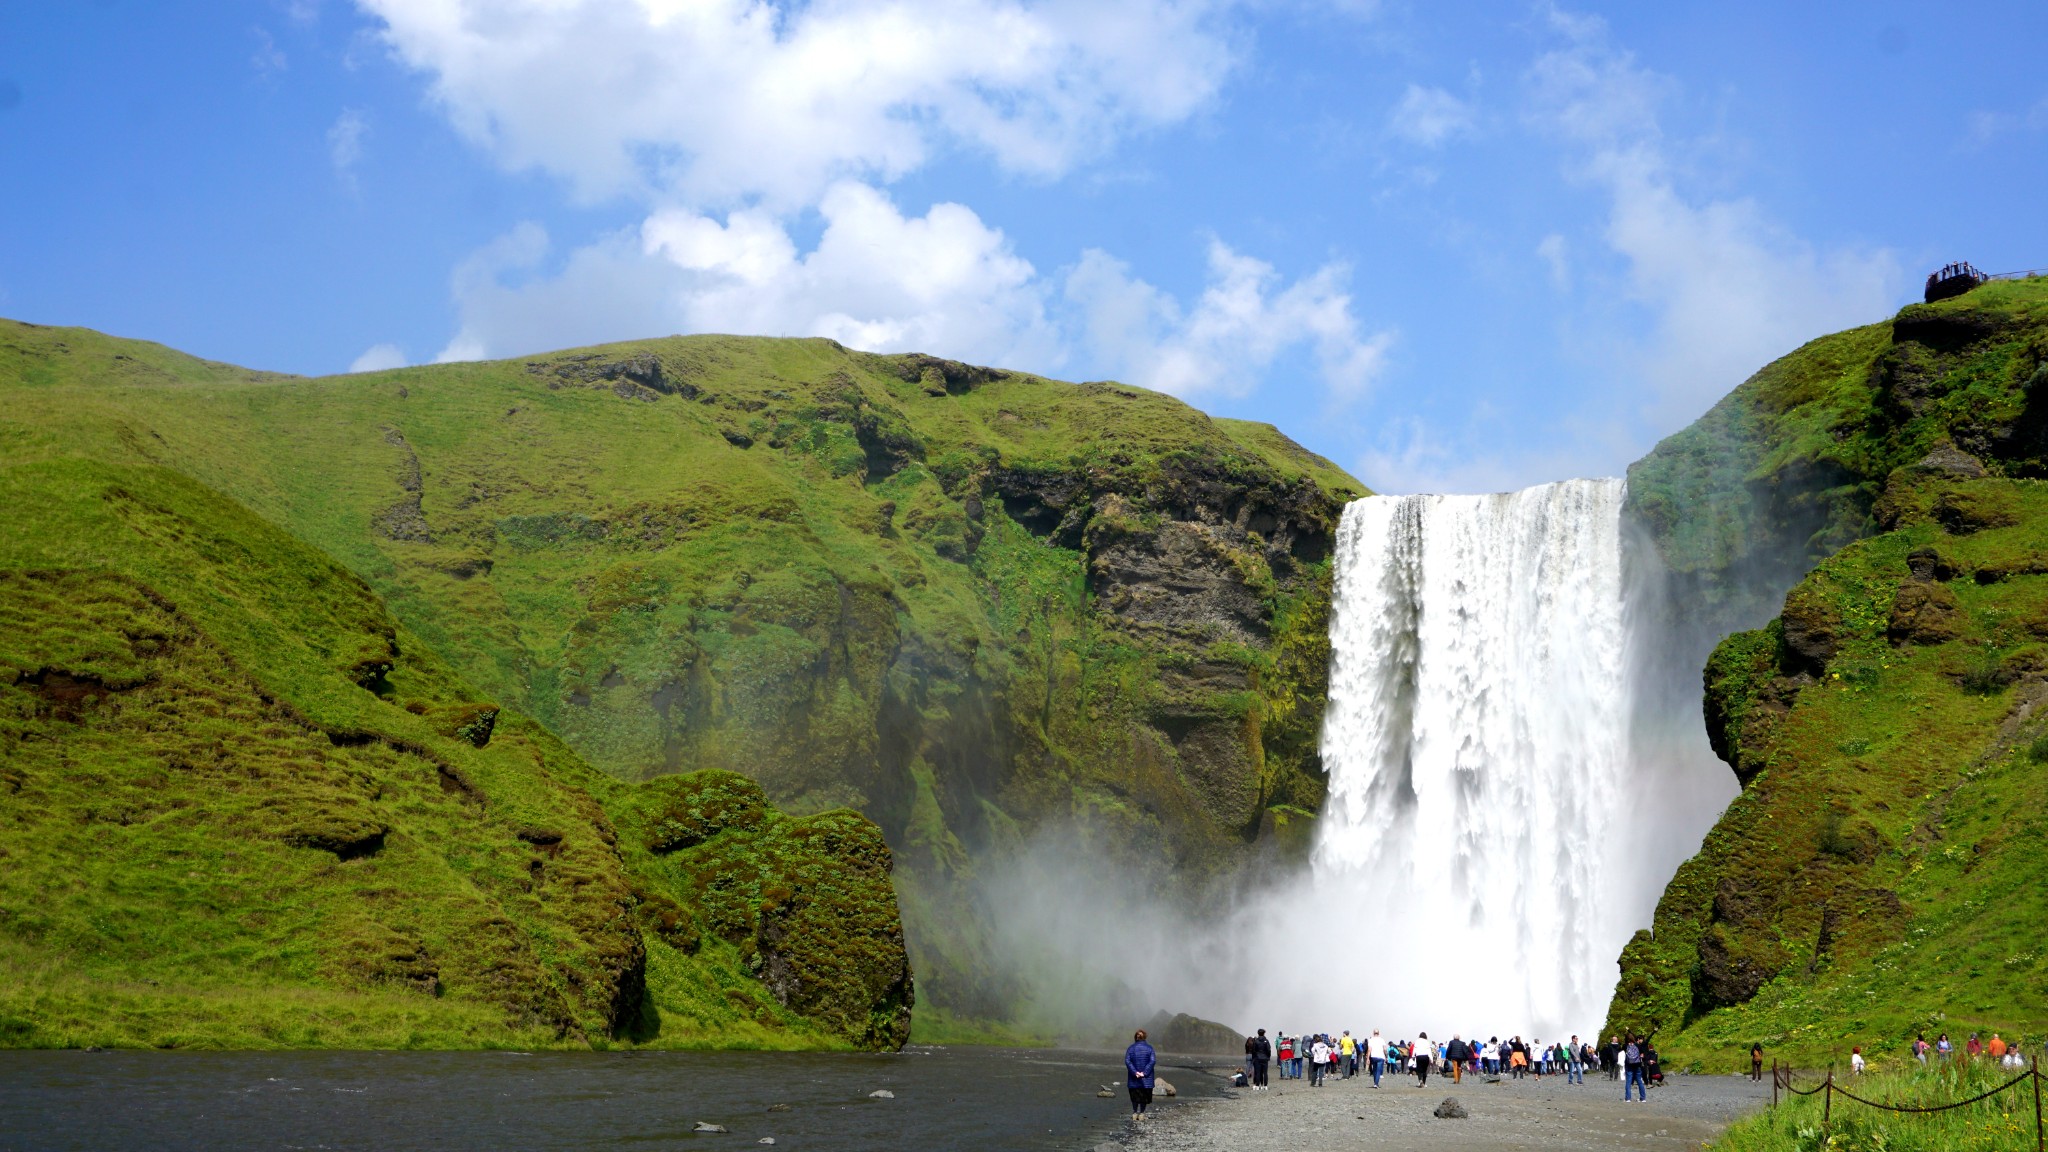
1139 1063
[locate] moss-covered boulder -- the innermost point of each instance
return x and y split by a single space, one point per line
807 902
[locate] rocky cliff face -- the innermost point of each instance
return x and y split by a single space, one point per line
970 604
1866 883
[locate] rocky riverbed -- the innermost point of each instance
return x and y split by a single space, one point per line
1549 1114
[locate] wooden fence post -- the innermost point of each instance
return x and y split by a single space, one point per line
1774 1084
1827 1101
2039 1145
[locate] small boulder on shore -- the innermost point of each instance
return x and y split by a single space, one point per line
1450 1109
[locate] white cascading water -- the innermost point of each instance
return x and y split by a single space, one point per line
1477 744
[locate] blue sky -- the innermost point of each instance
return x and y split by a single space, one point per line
1454 247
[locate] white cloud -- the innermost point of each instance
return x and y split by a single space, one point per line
1556 252
726 101
268 60
345 142
378 358
876 280
882 281
1986 127
1243 321
1429 116
1728 287
731 117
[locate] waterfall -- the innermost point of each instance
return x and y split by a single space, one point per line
1481 831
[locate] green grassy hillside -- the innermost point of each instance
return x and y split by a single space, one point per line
1882 872
962 601
240 805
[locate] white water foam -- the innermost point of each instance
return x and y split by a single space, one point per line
1477 743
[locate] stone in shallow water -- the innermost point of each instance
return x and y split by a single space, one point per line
1450 1109
881 1094
704 1127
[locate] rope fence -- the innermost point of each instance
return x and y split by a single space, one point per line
1781 1079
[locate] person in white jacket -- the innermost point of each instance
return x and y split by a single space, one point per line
1319 1061
1376 1055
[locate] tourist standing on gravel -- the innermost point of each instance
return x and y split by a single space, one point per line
1318 1061
1348 1049
1422 1051
1376 1055
1286 1054
1756 1061
1262 1055
1140 1061
1456 1053
1574 1063
1632 1062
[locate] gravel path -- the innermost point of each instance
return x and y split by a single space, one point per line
1547 1114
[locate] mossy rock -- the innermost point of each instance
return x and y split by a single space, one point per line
686 810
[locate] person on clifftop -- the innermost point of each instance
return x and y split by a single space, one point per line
1140 1061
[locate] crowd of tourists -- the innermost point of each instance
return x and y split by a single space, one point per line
1632 1060
1321 1056
2006 1054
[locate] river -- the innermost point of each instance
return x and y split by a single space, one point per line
988 1099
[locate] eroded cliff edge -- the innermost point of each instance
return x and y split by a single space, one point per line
1879 875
